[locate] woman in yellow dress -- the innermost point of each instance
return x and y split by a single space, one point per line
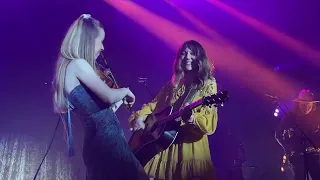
189 157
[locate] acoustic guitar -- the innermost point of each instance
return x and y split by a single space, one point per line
161 129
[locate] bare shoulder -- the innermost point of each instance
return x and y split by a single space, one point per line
79 64
80 67
74 68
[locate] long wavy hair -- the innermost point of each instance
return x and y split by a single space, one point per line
78 43
205 68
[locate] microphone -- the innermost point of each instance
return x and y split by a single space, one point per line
142 79
271 97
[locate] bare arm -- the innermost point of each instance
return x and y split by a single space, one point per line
86 74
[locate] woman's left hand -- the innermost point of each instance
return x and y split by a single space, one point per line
187 114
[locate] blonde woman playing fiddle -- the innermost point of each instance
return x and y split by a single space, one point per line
78 87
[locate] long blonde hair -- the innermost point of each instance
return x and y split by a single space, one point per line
78 43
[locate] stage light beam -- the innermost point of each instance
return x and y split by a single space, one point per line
281 38
231 60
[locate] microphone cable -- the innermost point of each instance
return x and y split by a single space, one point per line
51 142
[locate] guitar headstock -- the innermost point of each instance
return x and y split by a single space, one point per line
216 99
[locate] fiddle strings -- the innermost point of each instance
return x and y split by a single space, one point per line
105 68
113 79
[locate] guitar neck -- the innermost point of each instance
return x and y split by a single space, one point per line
214 99
177 114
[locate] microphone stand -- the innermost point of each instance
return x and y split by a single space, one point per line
304 138
144 82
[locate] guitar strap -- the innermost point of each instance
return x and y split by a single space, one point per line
187 97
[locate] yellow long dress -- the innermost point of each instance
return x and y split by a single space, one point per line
191 158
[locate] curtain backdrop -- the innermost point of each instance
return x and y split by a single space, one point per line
21 155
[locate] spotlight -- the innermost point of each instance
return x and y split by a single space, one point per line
277 68
276 112
284 161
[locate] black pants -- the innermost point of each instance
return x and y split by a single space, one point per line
311 163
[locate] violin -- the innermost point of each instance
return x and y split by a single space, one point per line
106 75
